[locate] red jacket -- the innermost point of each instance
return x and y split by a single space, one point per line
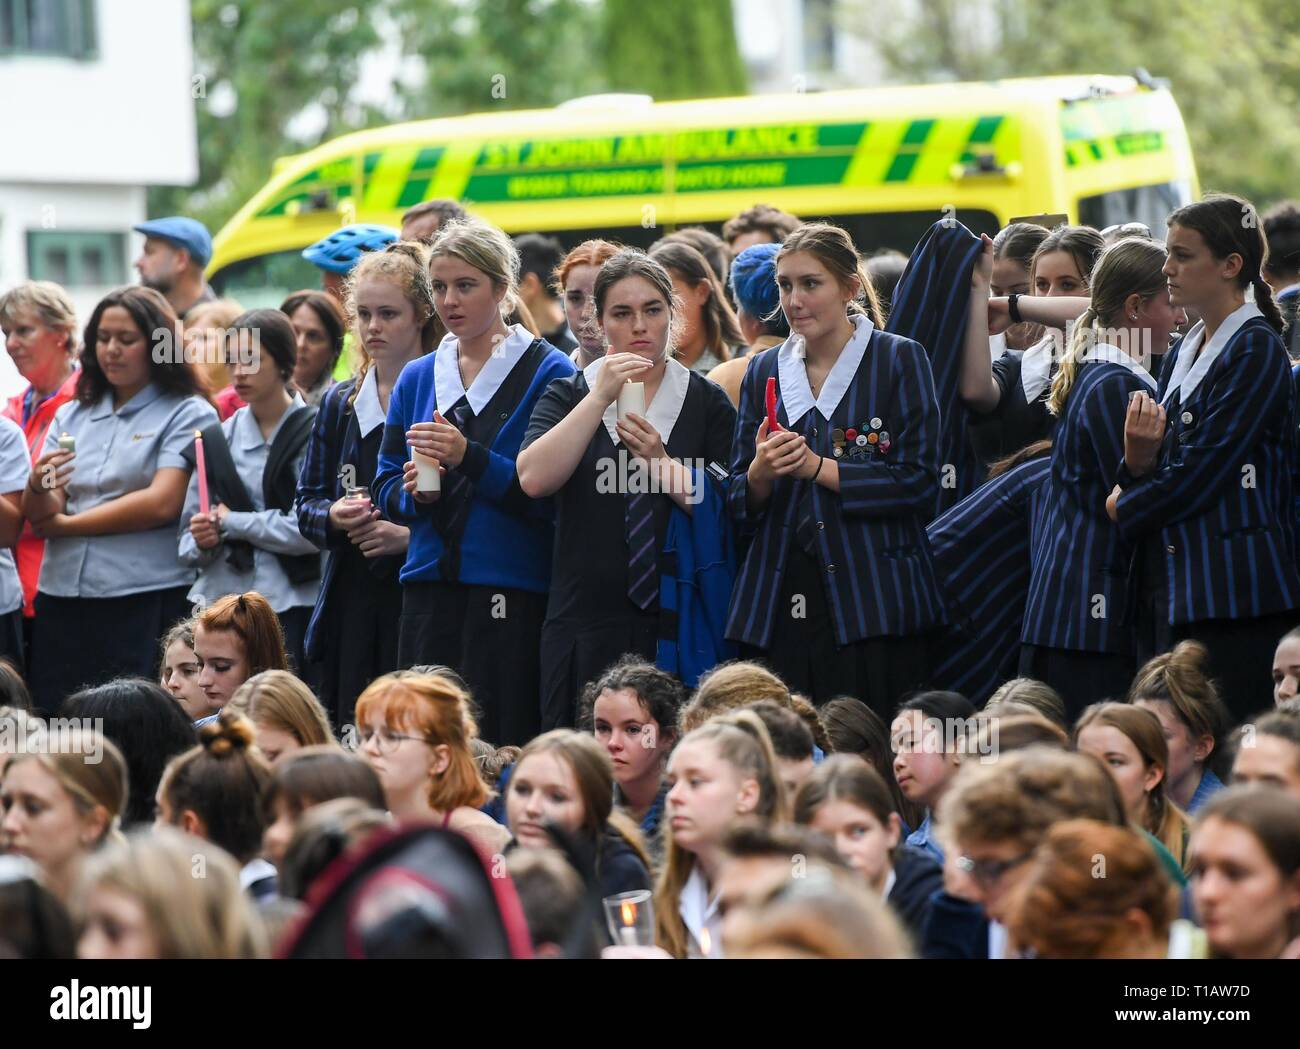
30 548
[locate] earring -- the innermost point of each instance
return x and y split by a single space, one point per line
1132 316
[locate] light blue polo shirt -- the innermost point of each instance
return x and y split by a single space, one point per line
15 471
118 452
270 532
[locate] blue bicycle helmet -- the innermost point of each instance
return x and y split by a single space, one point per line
339 252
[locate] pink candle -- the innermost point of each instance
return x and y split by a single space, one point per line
201 466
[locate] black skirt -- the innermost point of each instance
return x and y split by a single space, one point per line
85 641
880 671
574 654
490 636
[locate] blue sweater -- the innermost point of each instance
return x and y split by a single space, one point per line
499 537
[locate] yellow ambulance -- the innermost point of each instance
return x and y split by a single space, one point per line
884 162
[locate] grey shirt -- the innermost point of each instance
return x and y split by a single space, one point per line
15 470
270 532
118 452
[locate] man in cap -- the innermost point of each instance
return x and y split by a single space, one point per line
175 251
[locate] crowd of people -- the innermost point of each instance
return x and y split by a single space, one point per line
741 597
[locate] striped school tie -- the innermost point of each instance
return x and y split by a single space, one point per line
642 565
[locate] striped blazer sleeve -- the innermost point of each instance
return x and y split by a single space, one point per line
1193 474
905 480
748 420
318 480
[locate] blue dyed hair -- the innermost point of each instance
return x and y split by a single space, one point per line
753 283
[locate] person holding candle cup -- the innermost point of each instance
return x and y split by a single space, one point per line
110 583
354 628
478 566
617 477
248 538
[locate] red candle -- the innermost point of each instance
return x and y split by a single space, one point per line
772 424
200 464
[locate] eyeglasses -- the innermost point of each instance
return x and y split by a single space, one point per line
987 872
1127 229
387 741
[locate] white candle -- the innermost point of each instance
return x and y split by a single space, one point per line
629 936
631 398
67 442
426 473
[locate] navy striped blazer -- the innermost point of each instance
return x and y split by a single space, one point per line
929 306
981 557
1220 497
871 543
1079 583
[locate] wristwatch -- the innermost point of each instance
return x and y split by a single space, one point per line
1013 308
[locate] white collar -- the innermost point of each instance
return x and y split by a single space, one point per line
255 870
889 883
1186 375
249 430
997 345
1036 367
1105 353
699 911
663 411
796 392
370 414
447 383
997 940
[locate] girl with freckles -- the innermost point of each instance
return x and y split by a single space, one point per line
604 598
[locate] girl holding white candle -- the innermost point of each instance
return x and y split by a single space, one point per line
478 565
353 630
565 779
110 582
617 479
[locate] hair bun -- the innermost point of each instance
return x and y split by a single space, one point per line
230 733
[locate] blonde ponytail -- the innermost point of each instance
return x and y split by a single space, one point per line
1083 335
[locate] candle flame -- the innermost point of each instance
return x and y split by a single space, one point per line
629 912
706 942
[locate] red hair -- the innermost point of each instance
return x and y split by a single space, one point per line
250 618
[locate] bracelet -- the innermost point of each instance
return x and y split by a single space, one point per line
1013 308
821 461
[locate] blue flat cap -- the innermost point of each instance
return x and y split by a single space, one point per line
186 233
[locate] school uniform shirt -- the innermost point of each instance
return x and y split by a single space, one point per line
981 550
699 911
870 543
589 580
1024 380
35 417
483 530
1209 786
1078 590
923 838
269 532
15 472
118 452
1220 497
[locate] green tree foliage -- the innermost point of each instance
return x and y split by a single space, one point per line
673 48
1234 68
469 56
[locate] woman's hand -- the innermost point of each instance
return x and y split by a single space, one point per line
641 438
617 370
1144 433
981 274
203 527
776 454
376 537
56 526
1112 503
347 513
411 477
438 440
52 471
